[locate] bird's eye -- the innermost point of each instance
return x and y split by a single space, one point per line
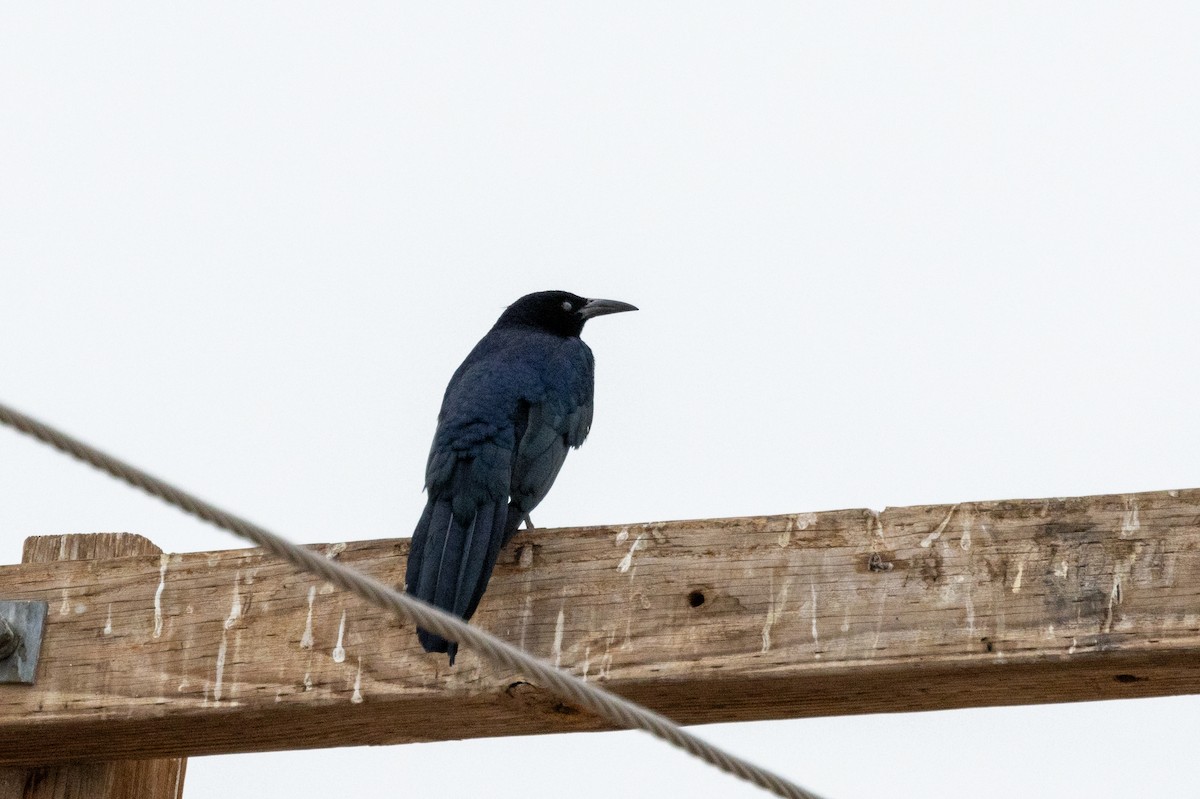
567 306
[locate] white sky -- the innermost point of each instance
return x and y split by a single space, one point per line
886 254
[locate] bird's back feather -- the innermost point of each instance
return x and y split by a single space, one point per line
512 410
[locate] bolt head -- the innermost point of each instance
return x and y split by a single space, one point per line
9 639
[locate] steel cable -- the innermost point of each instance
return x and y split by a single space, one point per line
616 709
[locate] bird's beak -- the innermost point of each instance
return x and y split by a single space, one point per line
601 307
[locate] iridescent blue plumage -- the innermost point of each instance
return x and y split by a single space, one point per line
519 401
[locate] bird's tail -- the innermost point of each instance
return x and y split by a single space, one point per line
451 559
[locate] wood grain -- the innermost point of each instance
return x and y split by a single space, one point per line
160 778
983 603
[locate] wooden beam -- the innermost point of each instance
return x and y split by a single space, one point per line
983 603
160 778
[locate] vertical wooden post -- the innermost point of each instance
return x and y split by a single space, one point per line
119 779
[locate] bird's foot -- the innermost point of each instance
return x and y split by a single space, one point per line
528 522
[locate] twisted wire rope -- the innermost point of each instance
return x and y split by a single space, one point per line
616 709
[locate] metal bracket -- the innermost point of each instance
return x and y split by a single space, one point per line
21 624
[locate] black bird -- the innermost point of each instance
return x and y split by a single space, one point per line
512 409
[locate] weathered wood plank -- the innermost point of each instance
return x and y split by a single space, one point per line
160 778
984 603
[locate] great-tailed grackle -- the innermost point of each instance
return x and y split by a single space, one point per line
516 404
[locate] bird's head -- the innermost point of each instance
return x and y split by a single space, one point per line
558 312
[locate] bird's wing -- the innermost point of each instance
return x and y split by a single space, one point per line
458 539
510 414
560 420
